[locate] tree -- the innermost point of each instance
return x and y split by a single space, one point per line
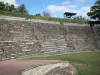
12 8
2 6
22 9
46 13
38 14
79 17
7 6
95 11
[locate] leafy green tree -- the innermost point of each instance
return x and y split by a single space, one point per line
38 14
7 6
12 8
79 18
2 6
22 9
95 11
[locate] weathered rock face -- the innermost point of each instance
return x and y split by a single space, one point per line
50 69
19 38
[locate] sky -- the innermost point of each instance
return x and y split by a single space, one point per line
55 7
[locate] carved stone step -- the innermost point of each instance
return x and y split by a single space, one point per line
30 43
21 45
50 47
5 58
13 54
26 50
7 41
25 47
12 57
1 52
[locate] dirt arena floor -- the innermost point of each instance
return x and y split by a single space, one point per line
11 67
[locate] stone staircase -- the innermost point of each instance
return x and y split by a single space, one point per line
51 46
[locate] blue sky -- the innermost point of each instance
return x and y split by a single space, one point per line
55 7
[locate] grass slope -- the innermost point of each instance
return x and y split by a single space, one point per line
28 16
87 63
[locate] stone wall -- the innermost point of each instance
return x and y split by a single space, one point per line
21 38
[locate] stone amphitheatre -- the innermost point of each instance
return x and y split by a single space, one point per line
20 38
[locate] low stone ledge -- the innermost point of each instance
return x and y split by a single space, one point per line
60 68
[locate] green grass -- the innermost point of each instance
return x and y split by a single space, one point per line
84 69
28 16
87 63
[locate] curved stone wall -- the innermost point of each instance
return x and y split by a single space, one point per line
21 38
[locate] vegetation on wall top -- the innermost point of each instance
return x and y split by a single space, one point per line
21 11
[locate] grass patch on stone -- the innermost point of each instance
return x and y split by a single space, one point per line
87 63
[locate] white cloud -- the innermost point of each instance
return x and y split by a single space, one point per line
61 9
72 6
66 2
84 10
57 9
10 2
80 0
